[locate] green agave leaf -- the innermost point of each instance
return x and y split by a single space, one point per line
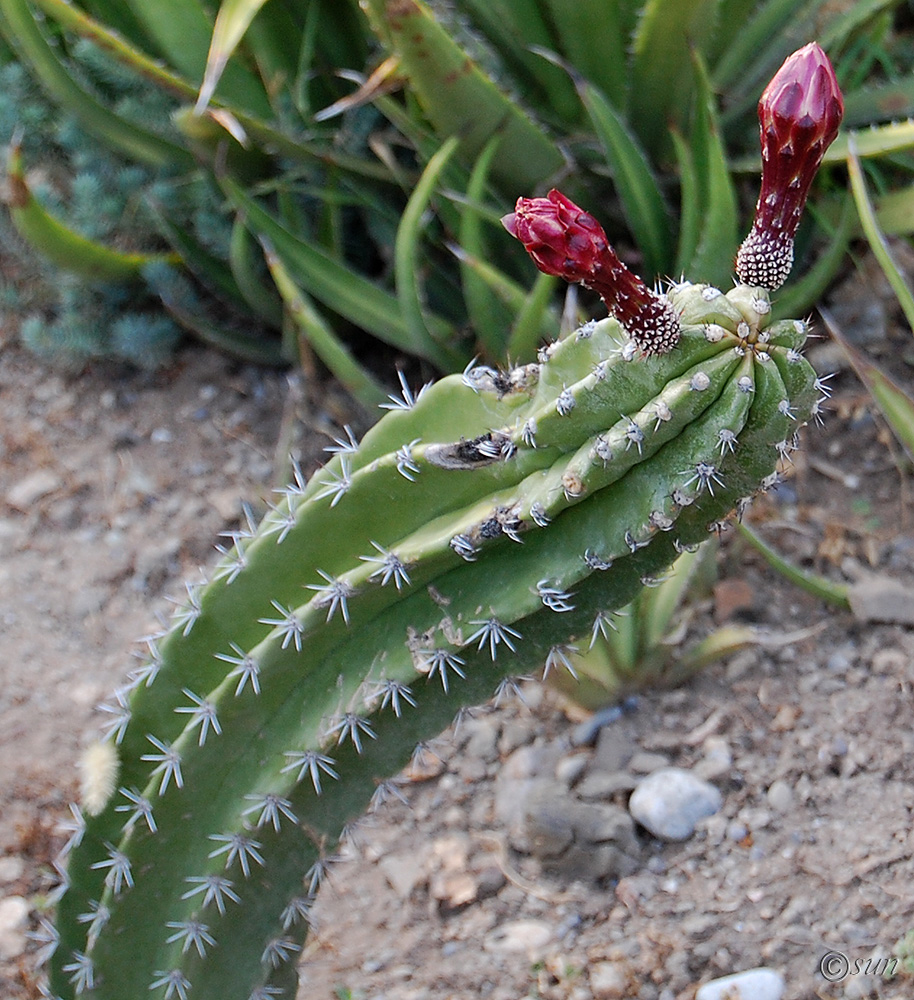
893 138
521 32
657 606
638 189
460 99
729 12
690 211
895 212
880 102
247 277
337 286
151 148
320 335
19 26
874 235
534 320
181 30
798 296
187 312
208 268
722 642
232 22
485 309
594 37
838 29
407 254
762 42
812 583
661 72
62 246
117 45
896 405
713 256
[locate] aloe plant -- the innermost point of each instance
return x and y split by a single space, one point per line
648 116
483 529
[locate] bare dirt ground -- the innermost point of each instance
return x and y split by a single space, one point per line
114 486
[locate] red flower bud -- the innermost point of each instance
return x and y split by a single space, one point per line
566 241
799 115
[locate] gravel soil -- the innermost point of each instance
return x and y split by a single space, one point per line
114 487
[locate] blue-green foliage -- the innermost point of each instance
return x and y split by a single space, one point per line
106 199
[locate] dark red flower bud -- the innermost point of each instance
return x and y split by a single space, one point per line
799 115
566 241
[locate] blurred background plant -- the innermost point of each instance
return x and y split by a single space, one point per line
360 155
647 644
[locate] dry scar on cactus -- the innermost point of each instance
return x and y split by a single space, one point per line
487 526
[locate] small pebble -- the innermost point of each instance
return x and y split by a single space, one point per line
11 868
753 984
605 786
780 796
669 803
529 936
737 831
14 918
838 662
31 488
717 759
644 762
569 769
608 981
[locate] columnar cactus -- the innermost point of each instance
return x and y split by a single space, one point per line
485 528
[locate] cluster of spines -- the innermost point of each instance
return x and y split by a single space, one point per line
598 510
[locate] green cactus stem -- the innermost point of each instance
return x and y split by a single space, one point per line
485 529
482 530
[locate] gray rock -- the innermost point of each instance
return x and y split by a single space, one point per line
516 777
605 785
482 738
644 762
569 769
614 748
669 803
753 984
575 839
515 733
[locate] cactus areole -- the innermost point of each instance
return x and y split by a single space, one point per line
484 529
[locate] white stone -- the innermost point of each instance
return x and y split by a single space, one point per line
14 918
670 801
753 984
780 796
24 493
528 936
11 868
608 981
